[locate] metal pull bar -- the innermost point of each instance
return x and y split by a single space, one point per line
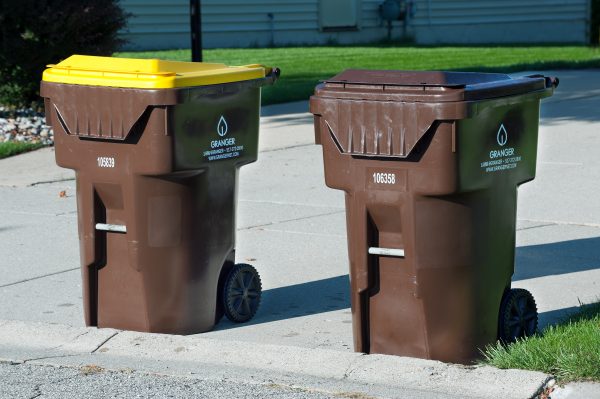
386 251
117 228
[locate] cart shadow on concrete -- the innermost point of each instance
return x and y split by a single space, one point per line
555 316
571 109
290 120
331 294
557 258
299 300
575 99
289 108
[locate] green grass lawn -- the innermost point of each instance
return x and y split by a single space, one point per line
14 148
303 67
569 350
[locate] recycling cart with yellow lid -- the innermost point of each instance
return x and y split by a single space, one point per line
156 147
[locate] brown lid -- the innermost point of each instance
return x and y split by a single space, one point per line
427 86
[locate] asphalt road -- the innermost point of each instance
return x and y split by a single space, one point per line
22 381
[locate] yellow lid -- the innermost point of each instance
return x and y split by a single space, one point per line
146 73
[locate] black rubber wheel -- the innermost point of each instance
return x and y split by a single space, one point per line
241 294
518 315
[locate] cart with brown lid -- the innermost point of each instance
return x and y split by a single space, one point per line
430 163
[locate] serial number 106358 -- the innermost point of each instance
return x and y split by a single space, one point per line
106 162
384 178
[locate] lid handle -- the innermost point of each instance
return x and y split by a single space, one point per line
272 74
551 81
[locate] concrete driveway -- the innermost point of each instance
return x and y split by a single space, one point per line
292 228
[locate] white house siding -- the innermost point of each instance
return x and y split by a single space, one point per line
246 23
157 24
494 21
241 23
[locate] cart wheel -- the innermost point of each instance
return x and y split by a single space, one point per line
241 294
518 315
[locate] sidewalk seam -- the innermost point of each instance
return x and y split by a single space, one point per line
292 204
565 223
105 341
35 359
572 98
51 181
352 366
287 148
305 233
542 388
38 277
536 227
290 220
60 214
72 340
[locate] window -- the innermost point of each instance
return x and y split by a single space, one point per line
337 15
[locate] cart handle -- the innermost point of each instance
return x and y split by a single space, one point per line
116 228
386 252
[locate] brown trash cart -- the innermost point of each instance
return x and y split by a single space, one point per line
430 163
156 147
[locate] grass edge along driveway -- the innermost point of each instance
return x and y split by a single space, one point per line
569 350
303 67
11 148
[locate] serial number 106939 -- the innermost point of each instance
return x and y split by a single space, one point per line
106 162
384 178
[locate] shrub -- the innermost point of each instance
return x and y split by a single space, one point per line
34 33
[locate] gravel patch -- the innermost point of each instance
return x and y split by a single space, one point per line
25 381
24 125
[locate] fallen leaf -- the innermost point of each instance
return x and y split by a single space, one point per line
91 369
